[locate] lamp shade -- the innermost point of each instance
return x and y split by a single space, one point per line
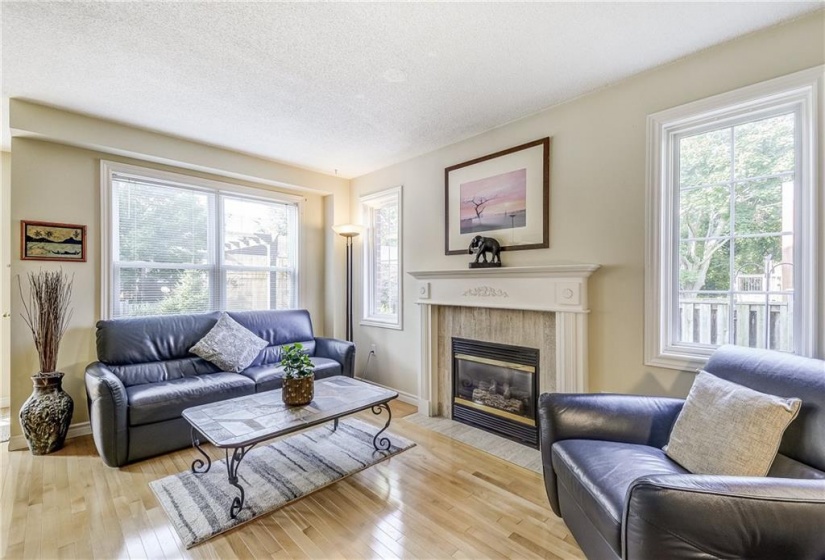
348 230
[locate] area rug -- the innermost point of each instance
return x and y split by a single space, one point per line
502 448
272 476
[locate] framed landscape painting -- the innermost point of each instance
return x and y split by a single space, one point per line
505 195
46 241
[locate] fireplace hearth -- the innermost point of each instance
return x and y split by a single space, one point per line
495 388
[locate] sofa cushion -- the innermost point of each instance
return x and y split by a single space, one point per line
229 345
597 475
155 402
152 372
784 375
728 429
290 325
138 340
785 467
268 377
324 367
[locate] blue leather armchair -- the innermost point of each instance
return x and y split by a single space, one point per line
146 377
622 497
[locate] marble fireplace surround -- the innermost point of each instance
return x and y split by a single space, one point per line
525 306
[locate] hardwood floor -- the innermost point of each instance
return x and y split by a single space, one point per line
440 499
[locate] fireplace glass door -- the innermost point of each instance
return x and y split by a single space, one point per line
495 388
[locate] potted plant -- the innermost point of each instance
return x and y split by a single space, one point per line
298 386
47 413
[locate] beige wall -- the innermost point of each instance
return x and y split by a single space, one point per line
56 182
597 200
5 274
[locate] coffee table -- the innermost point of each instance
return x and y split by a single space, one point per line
237 425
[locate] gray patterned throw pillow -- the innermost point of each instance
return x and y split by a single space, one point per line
229 345
728 429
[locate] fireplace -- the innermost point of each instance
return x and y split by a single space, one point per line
495 388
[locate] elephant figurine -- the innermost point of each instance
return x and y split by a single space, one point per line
483 245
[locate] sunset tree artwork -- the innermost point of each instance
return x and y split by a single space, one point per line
494 203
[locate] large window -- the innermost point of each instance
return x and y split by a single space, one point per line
381 213
732 234
177 244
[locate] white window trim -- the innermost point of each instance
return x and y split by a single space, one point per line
801 91
108 168
367 201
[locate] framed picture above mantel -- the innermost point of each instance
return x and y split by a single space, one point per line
505 195
49 241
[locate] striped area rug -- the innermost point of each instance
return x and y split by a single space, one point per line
272 476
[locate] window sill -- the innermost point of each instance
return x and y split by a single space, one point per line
682 359
381 324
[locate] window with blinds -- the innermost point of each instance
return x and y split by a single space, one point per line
179 247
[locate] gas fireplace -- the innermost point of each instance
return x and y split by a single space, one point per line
495 388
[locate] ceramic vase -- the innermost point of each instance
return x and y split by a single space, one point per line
46 414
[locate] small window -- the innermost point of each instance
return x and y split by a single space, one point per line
381 213
731 233
178 244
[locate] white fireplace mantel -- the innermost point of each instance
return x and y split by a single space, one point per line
555 288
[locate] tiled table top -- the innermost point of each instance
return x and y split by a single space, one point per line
244 420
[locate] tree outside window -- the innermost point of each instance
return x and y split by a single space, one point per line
733 217
188 249
381 213
736 234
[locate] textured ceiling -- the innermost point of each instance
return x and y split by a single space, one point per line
345 86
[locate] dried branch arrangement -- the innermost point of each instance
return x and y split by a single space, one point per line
47 313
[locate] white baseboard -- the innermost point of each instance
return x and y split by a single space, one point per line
16 443
4 402
403 396
80 429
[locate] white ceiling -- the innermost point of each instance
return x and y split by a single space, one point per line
352 87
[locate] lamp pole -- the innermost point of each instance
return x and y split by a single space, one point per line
349 286
348 232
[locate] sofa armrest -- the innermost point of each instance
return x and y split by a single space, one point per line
339 350
623 418
698 516
108 413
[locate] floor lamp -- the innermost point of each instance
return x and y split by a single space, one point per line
348 231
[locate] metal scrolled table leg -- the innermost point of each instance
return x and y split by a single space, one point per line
197 464
232 464
382 443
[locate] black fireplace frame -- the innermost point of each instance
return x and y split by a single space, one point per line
519 355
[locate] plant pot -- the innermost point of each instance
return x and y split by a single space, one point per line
46 414
298 391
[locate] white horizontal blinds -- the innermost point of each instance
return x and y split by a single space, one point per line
259 254
162 258
179 249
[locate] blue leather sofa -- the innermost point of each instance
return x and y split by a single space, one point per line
620 495
146 377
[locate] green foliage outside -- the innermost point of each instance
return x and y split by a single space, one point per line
165 224
707 202
169 225
386 281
